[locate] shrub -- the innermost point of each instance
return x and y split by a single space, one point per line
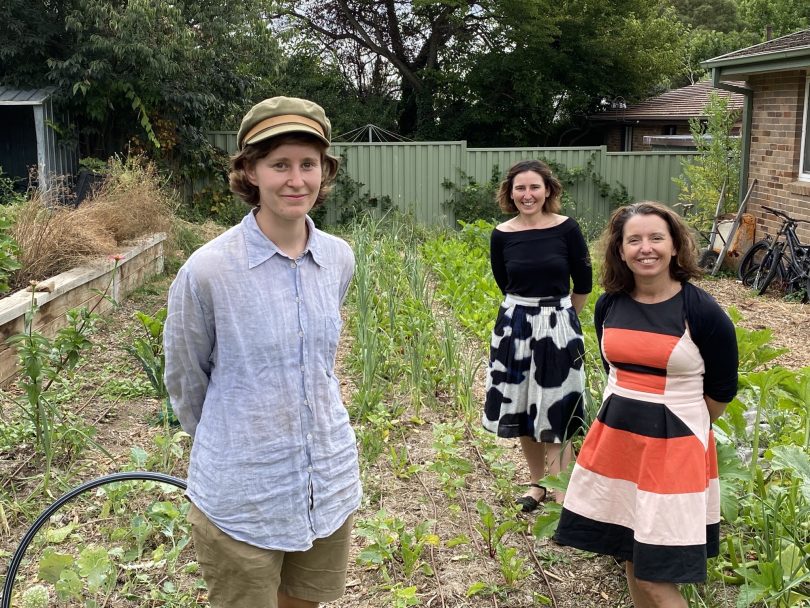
717 161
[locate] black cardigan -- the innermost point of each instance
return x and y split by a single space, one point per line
712 332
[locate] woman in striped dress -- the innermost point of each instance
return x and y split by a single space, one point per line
644 488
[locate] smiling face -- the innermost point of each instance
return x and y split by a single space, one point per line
288 179
647 247
529 193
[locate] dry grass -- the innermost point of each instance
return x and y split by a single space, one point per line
53 240
130 203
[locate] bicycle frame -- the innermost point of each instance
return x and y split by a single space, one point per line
786 257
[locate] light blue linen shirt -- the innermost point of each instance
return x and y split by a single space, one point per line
250 342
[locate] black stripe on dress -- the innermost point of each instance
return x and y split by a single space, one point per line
642 418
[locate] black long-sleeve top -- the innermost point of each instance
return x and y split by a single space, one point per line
541 262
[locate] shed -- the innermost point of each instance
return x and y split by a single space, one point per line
28 138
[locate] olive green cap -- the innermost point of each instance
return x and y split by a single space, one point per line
279 115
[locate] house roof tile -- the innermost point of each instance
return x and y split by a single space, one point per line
791 42
679 104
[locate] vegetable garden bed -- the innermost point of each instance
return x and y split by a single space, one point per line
80 286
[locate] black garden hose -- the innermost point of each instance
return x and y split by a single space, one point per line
16 560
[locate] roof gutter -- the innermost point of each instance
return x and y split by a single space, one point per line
747 118
747 60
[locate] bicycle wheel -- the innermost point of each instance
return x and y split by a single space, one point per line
751 258
769 269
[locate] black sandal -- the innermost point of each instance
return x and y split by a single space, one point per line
528 503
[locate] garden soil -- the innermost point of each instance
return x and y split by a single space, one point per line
559 576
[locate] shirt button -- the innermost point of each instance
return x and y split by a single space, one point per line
309 468
306 403
297 299
292 264
302 369
309 436
300 334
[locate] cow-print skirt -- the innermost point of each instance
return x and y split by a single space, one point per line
536 373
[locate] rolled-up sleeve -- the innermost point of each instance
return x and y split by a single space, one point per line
188 342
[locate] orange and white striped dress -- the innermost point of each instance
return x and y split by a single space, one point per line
645 486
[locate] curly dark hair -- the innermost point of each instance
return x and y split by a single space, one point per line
248 156
616 276
553 186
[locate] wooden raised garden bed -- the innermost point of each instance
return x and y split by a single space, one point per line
78 287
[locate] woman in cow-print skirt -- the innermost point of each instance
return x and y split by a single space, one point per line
536 370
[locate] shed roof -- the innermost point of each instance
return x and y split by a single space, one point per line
677 104
10 96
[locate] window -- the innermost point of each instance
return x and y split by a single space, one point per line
627 139
804 162
670 130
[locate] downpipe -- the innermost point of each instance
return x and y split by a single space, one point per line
16 560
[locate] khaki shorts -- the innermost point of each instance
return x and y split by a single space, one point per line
239 574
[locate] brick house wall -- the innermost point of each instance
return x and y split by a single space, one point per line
776 138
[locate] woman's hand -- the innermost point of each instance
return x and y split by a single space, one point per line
578 301
715 408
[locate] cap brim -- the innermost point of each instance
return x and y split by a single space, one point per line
283 130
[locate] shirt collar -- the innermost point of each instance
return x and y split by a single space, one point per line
260 248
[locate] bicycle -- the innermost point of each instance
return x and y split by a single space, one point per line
784 260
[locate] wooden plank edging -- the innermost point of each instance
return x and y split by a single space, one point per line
138 262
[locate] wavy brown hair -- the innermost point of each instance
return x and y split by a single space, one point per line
553 186
615 275
248 156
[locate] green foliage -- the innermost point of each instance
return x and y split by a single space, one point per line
492 530
8 192
392 547
716 163
784 16
465 278
9 252
148 351
473 201
347 200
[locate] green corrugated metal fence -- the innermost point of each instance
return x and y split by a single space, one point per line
412 173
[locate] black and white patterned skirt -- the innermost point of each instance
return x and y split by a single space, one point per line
536 373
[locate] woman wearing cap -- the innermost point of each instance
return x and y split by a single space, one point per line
645 488
250 342
536 374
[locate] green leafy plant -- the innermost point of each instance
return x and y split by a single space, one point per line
490 529
716 163
391 545
9 252
44 360
348 201
148 351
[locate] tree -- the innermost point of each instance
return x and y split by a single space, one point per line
783 16
147 72
505 70
412 37
716 163
716 15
